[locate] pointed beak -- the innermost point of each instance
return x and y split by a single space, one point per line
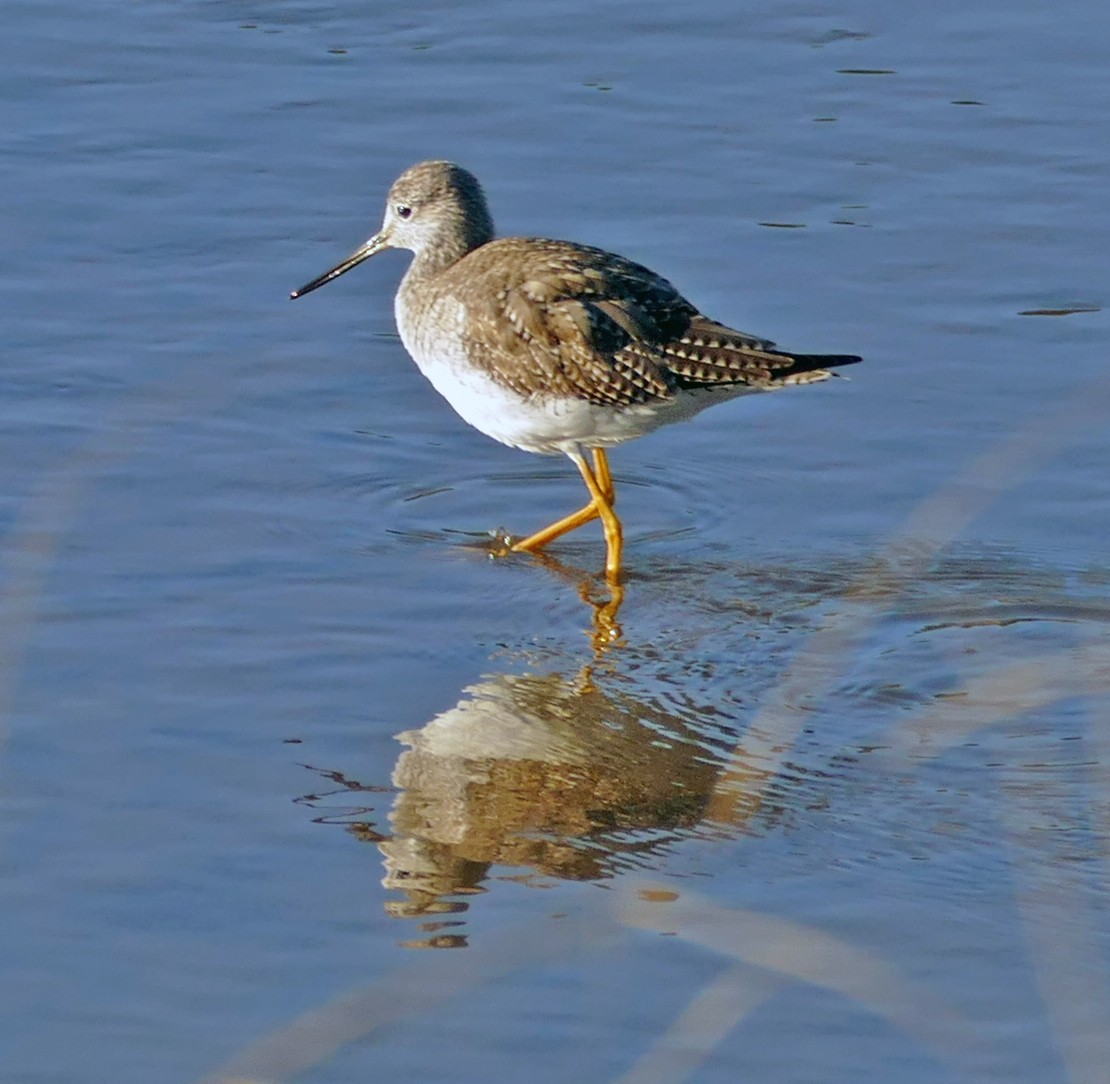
371 248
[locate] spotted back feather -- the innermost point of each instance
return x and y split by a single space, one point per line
561 320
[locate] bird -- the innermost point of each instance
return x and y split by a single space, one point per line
556 347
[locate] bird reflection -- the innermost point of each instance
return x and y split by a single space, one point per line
570 772
541 772
601 594
565 777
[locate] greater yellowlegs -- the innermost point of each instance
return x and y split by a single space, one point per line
556 347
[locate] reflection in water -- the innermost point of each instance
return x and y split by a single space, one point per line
604 596
711 717
573 778
570 777
879 736
543 772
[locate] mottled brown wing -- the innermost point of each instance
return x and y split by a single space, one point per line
576 322
572 321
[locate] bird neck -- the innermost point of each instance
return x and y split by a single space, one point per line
461 233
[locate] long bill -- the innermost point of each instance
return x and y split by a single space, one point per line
371 248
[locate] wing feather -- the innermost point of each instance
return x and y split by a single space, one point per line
553 319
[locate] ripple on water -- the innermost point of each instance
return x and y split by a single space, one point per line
966 713
738 714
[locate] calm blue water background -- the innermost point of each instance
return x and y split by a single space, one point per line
232 551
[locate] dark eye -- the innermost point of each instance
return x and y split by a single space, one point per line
403 210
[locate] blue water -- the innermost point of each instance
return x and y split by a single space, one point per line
271 722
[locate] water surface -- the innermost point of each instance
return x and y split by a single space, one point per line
833 804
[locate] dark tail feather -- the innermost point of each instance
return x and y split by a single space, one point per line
805 363
810 368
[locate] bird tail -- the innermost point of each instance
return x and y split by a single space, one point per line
811 368
709 354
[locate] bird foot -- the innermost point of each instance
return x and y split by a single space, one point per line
500 543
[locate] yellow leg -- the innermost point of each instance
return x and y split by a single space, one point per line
575 519
548 534
604 509
604 478
603 497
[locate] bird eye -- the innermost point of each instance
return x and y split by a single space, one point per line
403 210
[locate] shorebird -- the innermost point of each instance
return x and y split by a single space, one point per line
556 347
